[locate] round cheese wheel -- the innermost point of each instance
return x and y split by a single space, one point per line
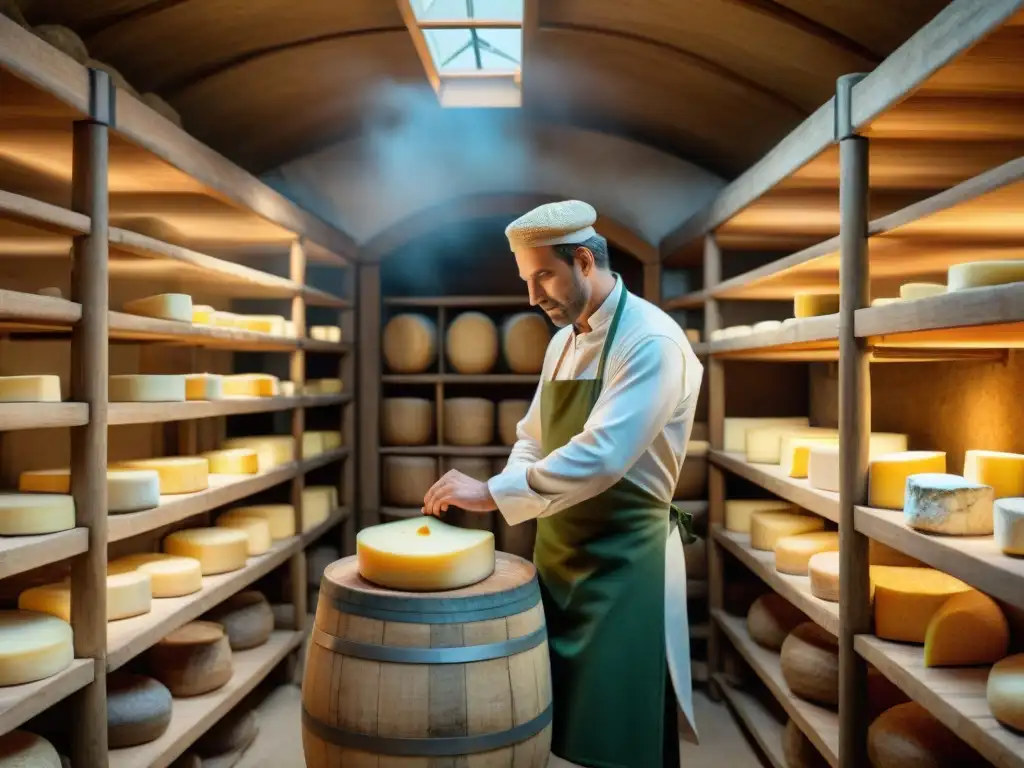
1005 691
33 646
170 575
696 557
21 749
823 569
406 421
280 517
129 593
233 733
472 343
317 559
218 550
257 529
406 479
525 338
410 343
510 413
193 659
468 421
798 749
771 618
909 736
810 664
138 710
247 619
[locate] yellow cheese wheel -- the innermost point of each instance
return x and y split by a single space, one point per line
767 527
129 593
792 553
271 450
251 385
810 664
406 479
33 646
170 575
472 343
410 343
128 490
468 421
907 598
318 501
510 413
257 529
823 570
738 512
424 554
21 749
233 461
280 517
202 314
29 389
798 749
770 620
321 387
911 291
909 736
814 304
525 338
204 386
193 659
28 514
406 421
888 473
330 333
325 439
1003 471
218 550
178 474
795 451
1005 691
969 629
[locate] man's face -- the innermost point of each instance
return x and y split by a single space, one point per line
556 287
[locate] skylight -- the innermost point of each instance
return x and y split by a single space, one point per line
465 10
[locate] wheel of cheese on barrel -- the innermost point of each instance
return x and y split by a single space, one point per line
406 479
193 659
472 343
138 710
468 421
510 413
406 421
810 664
33 646
410 343
770 620
21 749
525 338
247 619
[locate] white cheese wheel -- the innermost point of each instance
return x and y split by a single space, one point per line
909 736
146 388
410 343
281 517
472 343
823 467
767 325
138 710
1005 691
170 575
798 749
204 386
468 421
911 291
233 461
256 529
770 620
272 450
218 550
1008 525
33 646
406 479
29 514
823 570
738 512
692 482
232 733
128 490
193 659
510 413
251 385
1003 471
178 474
247 619
129 593
21 749
814 304
717 334
165 306
424 554
317 559
29 389
793 553
976 274
330 333
735 438
767 527
810 664
888 473
525 338
736 331
949 504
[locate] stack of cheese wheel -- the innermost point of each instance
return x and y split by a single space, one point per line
256 529
233 461
468 421
693 476
138 710
280 517
525 338
406 421
410 343
193 659
478 469
510 413
406 479
247 619
810 664
33 646
472 343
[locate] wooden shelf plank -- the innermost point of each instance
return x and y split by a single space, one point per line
460 378
809 334
796 589
42 415
317 298
127 638
445 450
23 553
956 696
693 300
33 308
20 703
327 347
126 327
193 716
42 215
456 301
771 478
153 413
973 559
820 725
761 724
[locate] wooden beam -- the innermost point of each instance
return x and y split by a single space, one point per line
419 42
297 365
531 29
469 24
369 393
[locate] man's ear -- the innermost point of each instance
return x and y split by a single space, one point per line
585 258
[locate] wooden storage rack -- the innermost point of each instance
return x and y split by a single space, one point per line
909 169
81 164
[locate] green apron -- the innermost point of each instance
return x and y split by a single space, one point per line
601 565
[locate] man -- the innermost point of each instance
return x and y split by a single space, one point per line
596 462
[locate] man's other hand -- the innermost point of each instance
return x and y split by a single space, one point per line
458 490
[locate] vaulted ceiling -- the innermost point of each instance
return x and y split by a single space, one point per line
717 82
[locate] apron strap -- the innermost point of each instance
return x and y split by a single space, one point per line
682 521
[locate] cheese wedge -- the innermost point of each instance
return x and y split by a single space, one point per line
128 594
251 385
906 599
204 386
29 389
33 646
170 575
941 503
735 437
909 735
1003 471
178 474
24 514
233 461
424 554
793 553
814 304
738 512
128 490
976 274
165 306
146 388
764 446
1005 683
766 528
912 291
255 528
969 629
218 550
281 517
1008 525
888 473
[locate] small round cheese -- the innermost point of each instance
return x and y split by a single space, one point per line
1005 691
823 569
128 490
792 553
193 659
138 710
280 517
33 646
1008 520
472 343
525 338
406 479
233 461
24 514
510 413
810 664
909 735
129 593
178 474
247 619
771 618
146 388
256 528
170 575
21 749
218 550
468 421
409 343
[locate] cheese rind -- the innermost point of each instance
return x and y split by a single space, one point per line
888 473
424 554
146 388
30 514
170 575
218 550
810 664
257 529
1003 471
129 593
178 474
766 528
204 386
1008 525
909 735
30 389
792 553
409 343
735 437
770 620
1005 691
912 291
471 343
738 512
165 306
33 646
814 304
906 599
468 420
128 490
280 517
764 446
969 629
976 274
525 337
21 749
823 570
233 461
941 503
138 710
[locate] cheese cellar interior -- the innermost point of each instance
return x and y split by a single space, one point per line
290 462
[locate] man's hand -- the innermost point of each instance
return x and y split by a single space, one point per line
458 490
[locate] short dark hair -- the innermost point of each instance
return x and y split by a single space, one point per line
597 245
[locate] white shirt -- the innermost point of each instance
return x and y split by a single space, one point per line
638 428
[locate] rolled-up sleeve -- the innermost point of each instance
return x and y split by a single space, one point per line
635 405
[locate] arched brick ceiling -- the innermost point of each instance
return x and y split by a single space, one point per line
717 82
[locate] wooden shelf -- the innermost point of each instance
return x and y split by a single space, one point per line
20 703
457 301
17 307
42 415
694 300
773 479
42 215
23 553
976 560
761 724
809 338
820 725
152 413
445 450
193 716
127 638
460 378
955 695
796 589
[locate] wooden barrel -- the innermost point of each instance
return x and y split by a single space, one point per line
418 679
